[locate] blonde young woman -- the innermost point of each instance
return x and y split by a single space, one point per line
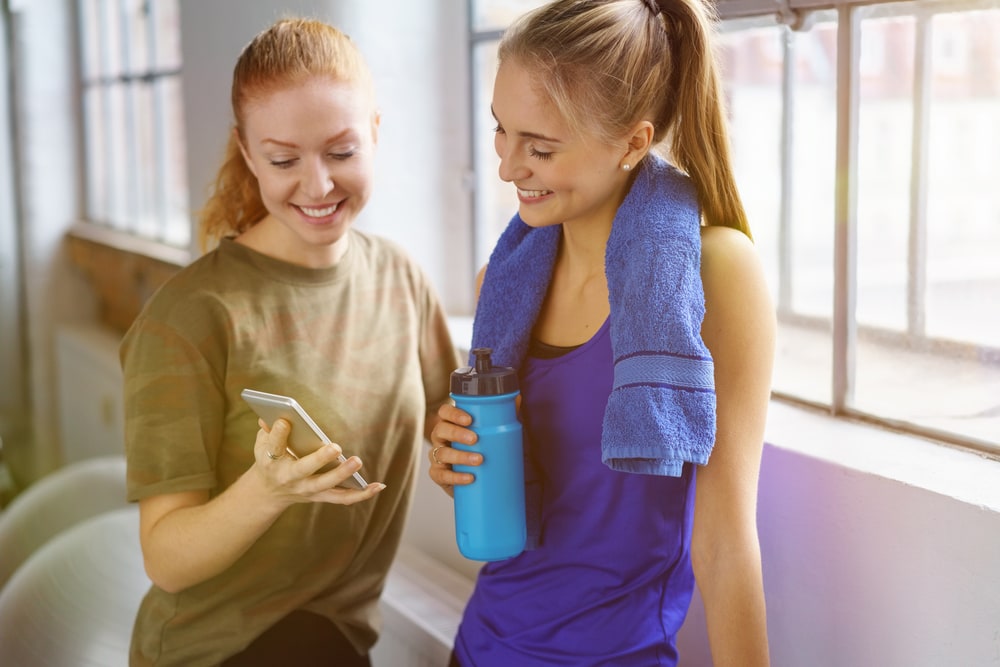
258 558
628 295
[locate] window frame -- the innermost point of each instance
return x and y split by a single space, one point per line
796 15
142 219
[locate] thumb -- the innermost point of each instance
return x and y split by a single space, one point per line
279 431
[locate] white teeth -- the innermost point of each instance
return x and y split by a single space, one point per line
318 212
529 194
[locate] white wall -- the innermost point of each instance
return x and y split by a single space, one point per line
862 570
45 115
879 549
12 367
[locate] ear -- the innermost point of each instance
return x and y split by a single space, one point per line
639 141
376 121
243 152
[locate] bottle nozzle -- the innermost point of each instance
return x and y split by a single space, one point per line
482 378
483 362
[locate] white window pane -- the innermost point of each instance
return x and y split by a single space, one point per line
119 213
98 167
90 38
136 172
751 62
110 36
147 175
963 201
167 34
175 216
137 22
814 135
498 14
885 159
798 257
934 360
963 197
496 201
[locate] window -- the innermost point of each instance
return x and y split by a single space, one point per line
495 201
135 175
865 142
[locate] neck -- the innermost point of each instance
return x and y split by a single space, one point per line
269 237
581 252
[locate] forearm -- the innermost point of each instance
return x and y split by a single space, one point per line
733 595
190 544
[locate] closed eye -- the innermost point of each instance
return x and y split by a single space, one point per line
539 154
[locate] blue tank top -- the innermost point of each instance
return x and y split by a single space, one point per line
610 582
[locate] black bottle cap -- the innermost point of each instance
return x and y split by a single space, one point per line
483 379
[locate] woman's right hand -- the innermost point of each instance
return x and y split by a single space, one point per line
292 480
452 426
188 537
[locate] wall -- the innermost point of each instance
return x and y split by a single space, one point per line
879 549
45 109
13 421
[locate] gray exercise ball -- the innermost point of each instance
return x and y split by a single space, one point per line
55 502
73 602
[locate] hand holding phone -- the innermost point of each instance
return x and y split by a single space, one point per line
305 436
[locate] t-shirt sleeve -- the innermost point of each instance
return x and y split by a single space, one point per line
438 354
173 405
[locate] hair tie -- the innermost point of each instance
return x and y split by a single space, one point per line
653 6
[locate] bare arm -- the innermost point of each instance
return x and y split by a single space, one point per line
187 538
739 331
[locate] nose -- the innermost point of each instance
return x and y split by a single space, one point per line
512 165
317 180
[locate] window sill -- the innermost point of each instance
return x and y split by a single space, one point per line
128 243
123 270
964 475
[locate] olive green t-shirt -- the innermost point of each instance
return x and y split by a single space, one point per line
364 348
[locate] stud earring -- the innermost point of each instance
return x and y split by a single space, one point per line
626 167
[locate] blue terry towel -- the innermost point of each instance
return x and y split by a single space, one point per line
661 412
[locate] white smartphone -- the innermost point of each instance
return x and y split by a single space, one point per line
305 437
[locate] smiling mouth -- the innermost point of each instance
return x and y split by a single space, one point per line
313 212
533 194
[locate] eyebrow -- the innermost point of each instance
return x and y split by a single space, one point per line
332 140
528 135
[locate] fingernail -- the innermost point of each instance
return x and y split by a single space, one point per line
378 486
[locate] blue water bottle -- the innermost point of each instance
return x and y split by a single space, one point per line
489 512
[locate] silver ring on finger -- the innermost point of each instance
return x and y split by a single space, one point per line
275 457
434 455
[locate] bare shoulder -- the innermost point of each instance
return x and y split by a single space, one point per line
729 261
727 251
736 292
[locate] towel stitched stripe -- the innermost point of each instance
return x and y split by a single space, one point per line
665 370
